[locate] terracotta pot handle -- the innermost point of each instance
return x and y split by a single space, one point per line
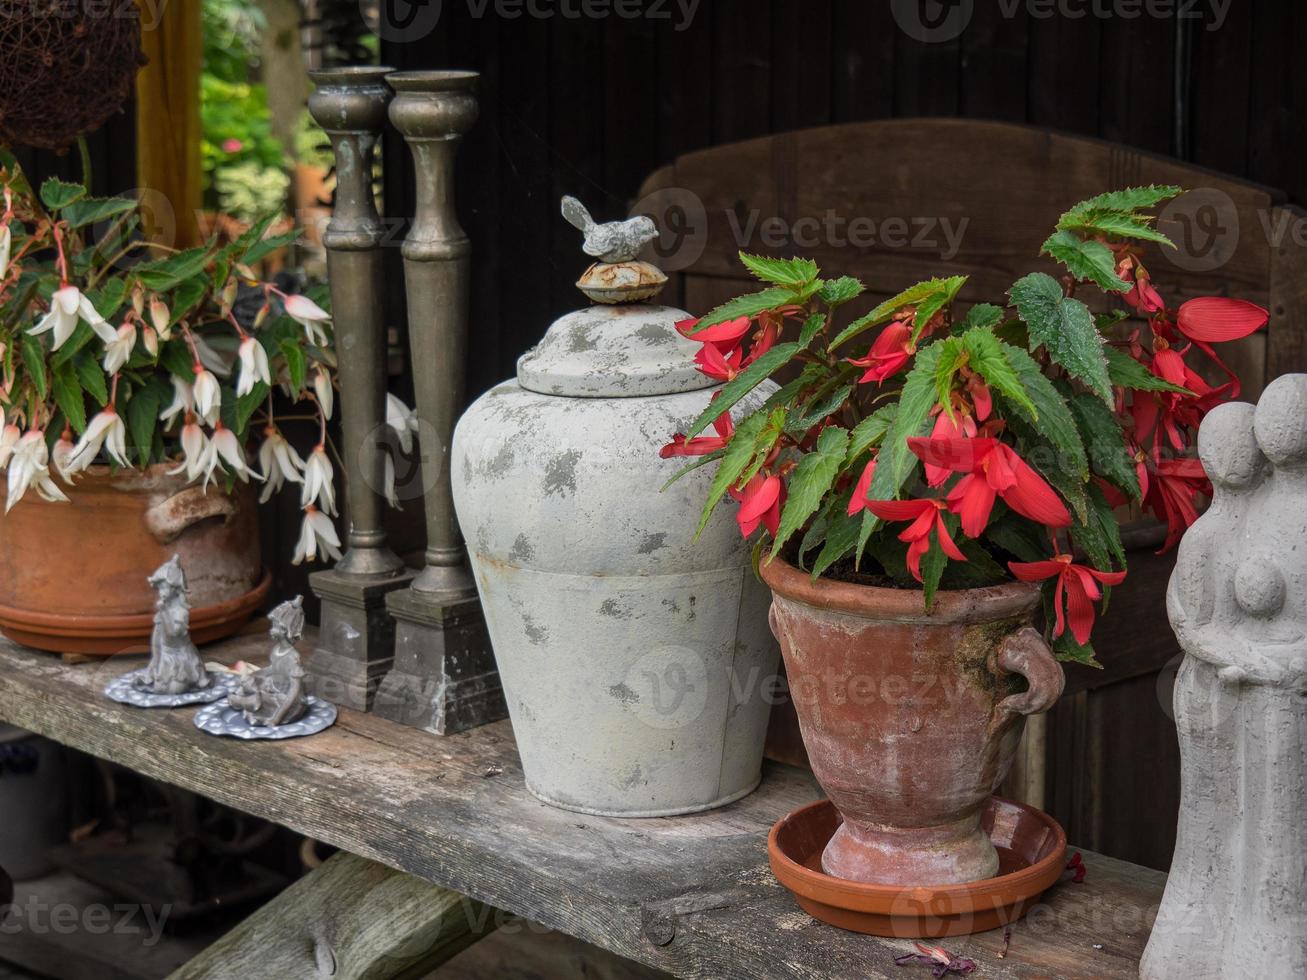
1026 653
167 519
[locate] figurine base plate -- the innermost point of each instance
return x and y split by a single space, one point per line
223 719
124 690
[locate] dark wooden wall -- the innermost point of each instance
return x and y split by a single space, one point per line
591 106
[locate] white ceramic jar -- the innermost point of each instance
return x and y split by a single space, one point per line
638 666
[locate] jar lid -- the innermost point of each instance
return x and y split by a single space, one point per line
614 351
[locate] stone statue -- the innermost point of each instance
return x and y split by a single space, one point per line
616 241
1236 900
175 666
275 694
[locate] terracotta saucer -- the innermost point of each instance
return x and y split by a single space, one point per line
109 635
1031 852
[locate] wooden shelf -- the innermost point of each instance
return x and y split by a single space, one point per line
690 895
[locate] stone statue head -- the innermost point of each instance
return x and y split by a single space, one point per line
169 578
288 620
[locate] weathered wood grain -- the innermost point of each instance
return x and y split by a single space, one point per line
455 812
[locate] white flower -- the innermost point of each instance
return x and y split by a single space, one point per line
6 246
161 318
119 350
9 437
254 366
323 389
317 532
403 420
196 450
210 358
388 483
310 316
279 462
232 453
62 458
319 487
106 430
67 306
183 400
208 399
29 467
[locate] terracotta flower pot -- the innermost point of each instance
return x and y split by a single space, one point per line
73 576
910 718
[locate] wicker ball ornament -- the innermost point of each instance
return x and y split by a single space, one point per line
66 66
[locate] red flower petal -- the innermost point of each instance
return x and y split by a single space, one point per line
946 541
1031 497
952 453
1035 571
858 502
900 510
972 500
760 494
1215 318
1079 609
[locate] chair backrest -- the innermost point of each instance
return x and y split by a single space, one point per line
896 201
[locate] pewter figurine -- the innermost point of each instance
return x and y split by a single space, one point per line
615 241
275 695
175 666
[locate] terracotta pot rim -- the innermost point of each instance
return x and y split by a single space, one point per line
127 625
981 605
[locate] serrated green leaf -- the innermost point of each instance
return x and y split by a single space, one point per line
927 309
781 272
1086 259
984 315
841 539
109 298
1018 537
912 296
870 431
1098 535
177 358
951 357
68 396
913 415
751 304
1067 650
57 194
34 362
296 364
978 571
1124 370
836 292
743 383
1065 328
1129 199
273 243
91 377
691 467
82 335
812 478
988 359
811 327
736 459
818 410
142 416
1120 224
171 272
1051 419
246 405
186 297
91 210
1100 431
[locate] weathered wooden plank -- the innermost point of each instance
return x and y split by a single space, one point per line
1287 226
350 919
455 812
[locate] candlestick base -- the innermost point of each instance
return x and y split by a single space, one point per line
356 644
444 679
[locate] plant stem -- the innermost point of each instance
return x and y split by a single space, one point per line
85 152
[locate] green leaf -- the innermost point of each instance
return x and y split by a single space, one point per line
985 315
177 358
932 568
91 377
34 361
836 292
811 327
267 246
1104 442
57 194
1017 536
978 571
691 467
912 296
739 454
186 297
989 360
951 357
750 304
1086 259
109 298
1128 200
1124 370
1066 649
1117 223
743 383
296 364
812 479
246 405
818 410
841 539
1099 534
1051 418
926 309
1065 328
91 210
870 431
781 272
171 272
68 396
142 417
913 415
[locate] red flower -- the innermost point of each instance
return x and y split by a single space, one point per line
1142 296
1213 319
926 516
1172 496
760 503
891 350
724 336
981 399
1077 583
993 469
858 502
715 365
701 445
958 427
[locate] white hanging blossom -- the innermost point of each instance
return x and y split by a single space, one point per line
197 453
68 306
310 316
62 458
279 462
183 400
119 350
403 420
232 453
254 366
161 318
317 533
207 395
107 432
6 249
319 487
29 467
324 391
9 437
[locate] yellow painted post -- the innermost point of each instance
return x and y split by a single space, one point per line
168 122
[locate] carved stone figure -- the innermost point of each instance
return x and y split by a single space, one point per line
175 666
614 241
275 694
1236 899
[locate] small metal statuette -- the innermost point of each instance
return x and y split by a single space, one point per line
275 694
175 666
614 241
